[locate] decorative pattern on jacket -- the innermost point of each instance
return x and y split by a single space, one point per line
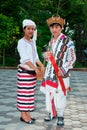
64 53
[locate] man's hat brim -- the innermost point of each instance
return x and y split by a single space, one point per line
56 19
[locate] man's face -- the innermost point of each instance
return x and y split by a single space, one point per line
55 30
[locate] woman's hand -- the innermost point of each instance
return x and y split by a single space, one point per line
38 72
42 69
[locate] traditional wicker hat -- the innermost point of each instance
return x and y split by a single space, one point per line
56 19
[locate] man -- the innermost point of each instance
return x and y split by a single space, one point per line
60 58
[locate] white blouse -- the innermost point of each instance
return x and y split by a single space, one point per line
27 51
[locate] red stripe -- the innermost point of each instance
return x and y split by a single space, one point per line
50 83
26 84
63 48
26 92
25 76
60 55
54 112
22 99
43 83
25 107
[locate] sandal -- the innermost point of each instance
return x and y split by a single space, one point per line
32 121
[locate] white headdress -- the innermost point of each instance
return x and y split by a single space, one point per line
28 22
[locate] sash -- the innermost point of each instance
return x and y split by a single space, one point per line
56 68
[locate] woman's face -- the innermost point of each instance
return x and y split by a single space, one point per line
55 30
29 31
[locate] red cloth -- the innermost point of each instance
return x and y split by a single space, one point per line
56 71
54 112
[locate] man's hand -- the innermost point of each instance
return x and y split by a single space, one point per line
47 55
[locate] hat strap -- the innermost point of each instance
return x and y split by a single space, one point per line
35 35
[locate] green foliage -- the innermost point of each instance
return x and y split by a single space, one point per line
80 65
85 43
7 31
12 13
10 61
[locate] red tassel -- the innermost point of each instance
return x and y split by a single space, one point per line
53 108
70 89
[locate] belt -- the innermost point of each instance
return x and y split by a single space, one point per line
27 71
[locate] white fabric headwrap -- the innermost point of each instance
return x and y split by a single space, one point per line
28 22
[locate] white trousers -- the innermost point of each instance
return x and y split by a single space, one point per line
59 98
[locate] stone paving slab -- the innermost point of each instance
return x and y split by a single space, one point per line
75 112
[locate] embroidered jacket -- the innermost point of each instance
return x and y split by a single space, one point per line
64 53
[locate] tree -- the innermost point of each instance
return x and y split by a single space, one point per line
74 12
7 33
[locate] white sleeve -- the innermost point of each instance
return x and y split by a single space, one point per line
23 52
69 59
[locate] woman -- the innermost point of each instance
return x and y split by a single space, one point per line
29 67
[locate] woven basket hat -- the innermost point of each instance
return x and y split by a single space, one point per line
56 19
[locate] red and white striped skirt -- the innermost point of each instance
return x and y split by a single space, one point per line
26 84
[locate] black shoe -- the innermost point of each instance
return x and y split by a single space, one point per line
49 118
60 121
33 119
29 122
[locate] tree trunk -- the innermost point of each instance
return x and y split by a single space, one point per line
4 57
79 40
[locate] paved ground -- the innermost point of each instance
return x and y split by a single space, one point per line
75 112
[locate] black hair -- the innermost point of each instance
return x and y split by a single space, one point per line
51 25
24 27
